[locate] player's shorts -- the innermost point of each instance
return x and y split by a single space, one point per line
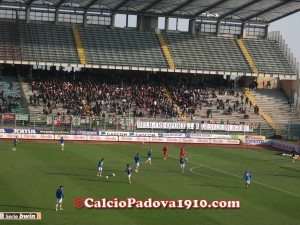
129 175
100 168
182 165
62 144
149 159
137 164
59 200
247 181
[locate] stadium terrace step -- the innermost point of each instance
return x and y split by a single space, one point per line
247 55
261 112
166 51
78 42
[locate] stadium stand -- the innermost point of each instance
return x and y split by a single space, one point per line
275 104
12 100
122 47
48 43
9 41
206 52
268 57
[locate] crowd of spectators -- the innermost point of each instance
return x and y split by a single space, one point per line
76 93
9 102
112 94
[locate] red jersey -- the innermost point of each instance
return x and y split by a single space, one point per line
165 149
182 151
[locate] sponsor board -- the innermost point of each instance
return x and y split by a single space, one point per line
225 141
198 135
220 136
5 135
133 134
255 141
120 134
135 139
285 146
53 132
194 140
83 132
255 137
171 135
157 139
71 137
38 136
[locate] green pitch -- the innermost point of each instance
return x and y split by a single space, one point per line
30 176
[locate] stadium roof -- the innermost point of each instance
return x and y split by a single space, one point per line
243 10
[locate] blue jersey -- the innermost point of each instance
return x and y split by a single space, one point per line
60 193
137 159
182 160
100 164
129 170
247 176
15 141
149 154
62 141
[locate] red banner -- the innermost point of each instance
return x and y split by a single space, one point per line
8 116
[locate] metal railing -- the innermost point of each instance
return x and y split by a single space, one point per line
66 123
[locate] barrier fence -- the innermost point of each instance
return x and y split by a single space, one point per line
66 123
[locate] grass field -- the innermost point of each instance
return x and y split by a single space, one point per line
30 176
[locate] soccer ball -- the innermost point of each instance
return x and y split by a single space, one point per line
106 177
186 159
114 174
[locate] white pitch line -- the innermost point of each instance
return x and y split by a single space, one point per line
192 171
222 171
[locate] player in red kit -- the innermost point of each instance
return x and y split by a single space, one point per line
182 153
165 150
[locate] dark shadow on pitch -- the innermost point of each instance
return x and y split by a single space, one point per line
67 174
218 186
28 207
102 180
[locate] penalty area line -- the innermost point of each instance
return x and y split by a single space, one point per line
222 171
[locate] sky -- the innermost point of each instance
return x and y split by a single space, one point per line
288 27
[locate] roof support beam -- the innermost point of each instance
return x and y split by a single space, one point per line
60 3
208 8
120 5
150 6
265 10
238 9
90 4
27 3
284 15
179 7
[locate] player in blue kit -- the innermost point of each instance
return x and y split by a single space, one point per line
137 160
100 167
59 198
149 154
182 164
15 141
247 177
129 172
62 143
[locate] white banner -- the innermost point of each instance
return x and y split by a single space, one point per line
135 139
38 136
189 126
194 140
221 136
225 141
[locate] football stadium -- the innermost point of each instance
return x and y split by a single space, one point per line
146 122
